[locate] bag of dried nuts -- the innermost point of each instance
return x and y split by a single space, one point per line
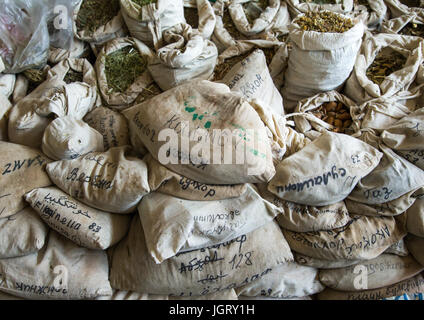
330 107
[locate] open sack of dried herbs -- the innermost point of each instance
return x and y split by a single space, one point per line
249 20
148 19
326 111
387 65
324 47
184 56
70 89
98 21
122 73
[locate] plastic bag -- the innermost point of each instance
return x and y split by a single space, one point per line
59 22
24 38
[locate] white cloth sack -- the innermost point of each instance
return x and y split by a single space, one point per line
233 264
382 271
415 246
392 178
168 182
21 234
340 168
68 138
87 227
252 79
327 59
415 215
7 84
121 100
303 260
22 169
61 270
173 225
5 107
409 286
301 218
184 56
208 106
405 137
363 238
391 208
111 124
289 280
53 98
111 181
147 23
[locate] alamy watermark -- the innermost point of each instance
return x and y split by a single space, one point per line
201 148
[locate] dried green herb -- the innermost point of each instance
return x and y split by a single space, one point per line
253 9
96 13
149 92
123 67
384 65
73 76
413 29
324 21
192 17
144 2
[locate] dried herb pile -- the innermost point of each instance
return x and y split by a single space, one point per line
384 65
123 67
336 114
96 13
324 21
413 29
73 76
